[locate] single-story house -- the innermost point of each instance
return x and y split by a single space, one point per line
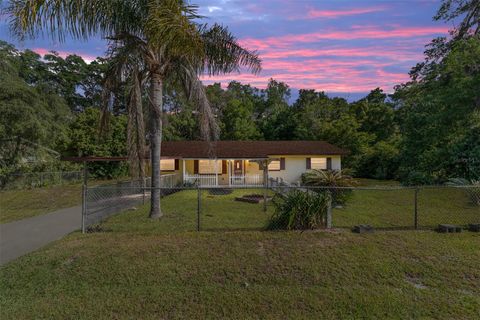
246 163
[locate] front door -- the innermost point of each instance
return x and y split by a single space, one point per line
238 167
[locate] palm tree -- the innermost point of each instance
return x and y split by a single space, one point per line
124 75
165 36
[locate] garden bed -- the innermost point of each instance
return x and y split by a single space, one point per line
252 198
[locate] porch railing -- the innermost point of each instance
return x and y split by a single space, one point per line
201 179
246 180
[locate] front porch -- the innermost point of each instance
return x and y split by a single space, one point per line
222 172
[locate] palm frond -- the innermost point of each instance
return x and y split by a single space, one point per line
78 18
127 67
196 94
170 26
223 53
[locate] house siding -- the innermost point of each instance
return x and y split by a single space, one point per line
295 166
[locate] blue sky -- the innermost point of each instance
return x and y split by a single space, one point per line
338 46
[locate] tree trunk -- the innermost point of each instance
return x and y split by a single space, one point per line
136 130
156 87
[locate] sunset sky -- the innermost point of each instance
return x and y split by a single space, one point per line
342 47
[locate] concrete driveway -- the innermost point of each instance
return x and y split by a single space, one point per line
21 237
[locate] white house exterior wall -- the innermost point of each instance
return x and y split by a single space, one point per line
295 166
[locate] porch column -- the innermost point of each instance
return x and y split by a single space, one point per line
183 172
216 172
265 184
228 174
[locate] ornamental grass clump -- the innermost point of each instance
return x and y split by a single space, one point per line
299 210
338 181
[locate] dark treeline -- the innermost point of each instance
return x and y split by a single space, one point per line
426 132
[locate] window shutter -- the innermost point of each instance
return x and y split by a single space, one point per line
177 164
282 163
329 163
224 166
309 163
195 166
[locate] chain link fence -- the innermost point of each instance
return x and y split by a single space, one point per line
100 202
39 179
259 208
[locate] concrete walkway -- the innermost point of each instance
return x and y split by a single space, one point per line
21 237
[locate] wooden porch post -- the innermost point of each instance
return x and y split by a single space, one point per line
265 184
228 174
183 172
216 172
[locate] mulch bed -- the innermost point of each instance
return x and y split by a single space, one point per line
252 198
220 191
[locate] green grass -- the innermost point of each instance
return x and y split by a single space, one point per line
395 208
163 269
21 204
240 275
218 212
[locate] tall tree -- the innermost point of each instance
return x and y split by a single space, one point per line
164 36
33 121
468 11
275 115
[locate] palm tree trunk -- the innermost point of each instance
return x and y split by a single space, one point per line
156 142
136 130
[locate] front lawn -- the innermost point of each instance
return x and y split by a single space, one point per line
395 208
21 204
380 208
146 269
17 204
218 212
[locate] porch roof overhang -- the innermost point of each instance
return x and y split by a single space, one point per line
236 158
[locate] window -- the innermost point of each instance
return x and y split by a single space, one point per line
319 163
274 165
167 165
208 167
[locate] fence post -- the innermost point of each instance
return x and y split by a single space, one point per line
265 190
84 195
84 206
199 203
329 210
144 186
416 209
265 183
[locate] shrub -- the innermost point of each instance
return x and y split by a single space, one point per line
416 178
299 210
331 178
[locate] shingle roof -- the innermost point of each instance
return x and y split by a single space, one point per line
246 149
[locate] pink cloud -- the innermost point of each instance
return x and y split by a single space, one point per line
324 78
43 51
357 32
342 67
312 13
397 53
